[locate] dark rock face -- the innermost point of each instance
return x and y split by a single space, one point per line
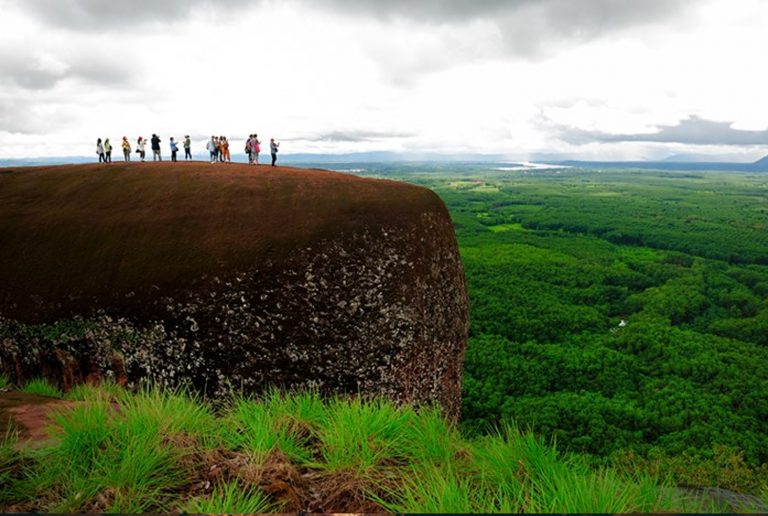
231 278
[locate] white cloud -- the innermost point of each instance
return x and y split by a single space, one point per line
337 77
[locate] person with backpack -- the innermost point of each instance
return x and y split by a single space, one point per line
100 151
249 149
273 146
174 149
126 149
187 148
156 156
141 145
107 151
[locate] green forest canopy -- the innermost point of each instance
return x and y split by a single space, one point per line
556 260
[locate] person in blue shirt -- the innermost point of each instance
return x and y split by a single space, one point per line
174 149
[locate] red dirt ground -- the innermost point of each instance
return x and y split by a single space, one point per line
72 233
29 414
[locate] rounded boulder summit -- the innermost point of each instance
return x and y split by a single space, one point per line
230 278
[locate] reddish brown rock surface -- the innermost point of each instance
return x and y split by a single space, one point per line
29 415
230 276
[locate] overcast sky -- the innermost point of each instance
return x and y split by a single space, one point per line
592 79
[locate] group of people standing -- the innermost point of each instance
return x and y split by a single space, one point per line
104 149
253 149
217 146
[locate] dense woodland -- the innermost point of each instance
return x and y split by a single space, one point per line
556 260
622 315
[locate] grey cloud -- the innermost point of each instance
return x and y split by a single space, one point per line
537 27
26 71
693 130
98 15
104 71
54 113
526 29
15 117
21 71
353 136
528 26
567 11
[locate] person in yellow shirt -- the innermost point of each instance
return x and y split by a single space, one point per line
107 151
126 149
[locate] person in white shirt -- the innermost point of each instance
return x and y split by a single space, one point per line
100 151
141 148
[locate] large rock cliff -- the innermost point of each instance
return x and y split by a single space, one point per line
230 277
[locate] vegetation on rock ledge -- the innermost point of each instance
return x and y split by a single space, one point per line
159 450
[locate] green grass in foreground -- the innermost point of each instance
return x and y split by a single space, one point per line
169 451
42 387
230 499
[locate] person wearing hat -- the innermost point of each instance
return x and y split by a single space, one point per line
187 148
126 148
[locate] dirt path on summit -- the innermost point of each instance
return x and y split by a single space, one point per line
30 415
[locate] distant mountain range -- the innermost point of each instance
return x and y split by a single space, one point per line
760 165
298 158
677 162
706 158
388 156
